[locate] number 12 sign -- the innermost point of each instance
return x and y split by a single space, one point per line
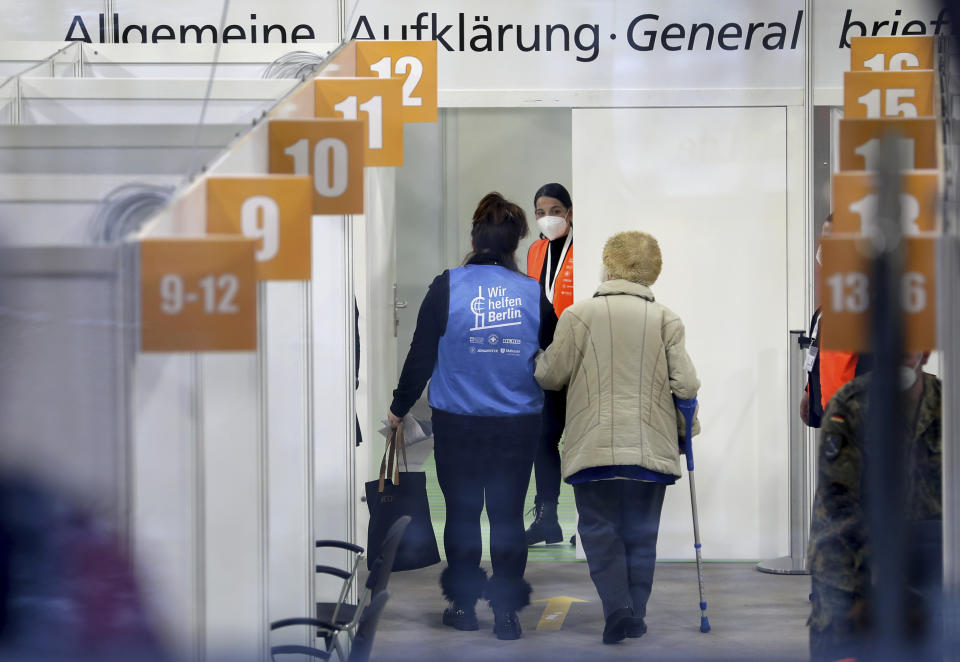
413 61
198 295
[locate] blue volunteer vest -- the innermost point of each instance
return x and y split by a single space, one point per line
485 360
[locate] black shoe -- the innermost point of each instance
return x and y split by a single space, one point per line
573 540
460 618
545 526
506 625
637 627
617 624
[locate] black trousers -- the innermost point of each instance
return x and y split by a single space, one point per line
619 523
485 459
547 462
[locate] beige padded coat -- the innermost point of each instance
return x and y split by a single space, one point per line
623 357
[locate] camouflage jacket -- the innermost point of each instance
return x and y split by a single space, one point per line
839 553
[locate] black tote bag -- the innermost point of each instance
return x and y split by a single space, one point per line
395 494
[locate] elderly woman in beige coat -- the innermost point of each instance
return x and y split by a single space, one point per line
622 356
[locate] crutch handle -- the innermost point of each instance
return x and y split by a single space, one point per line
688 408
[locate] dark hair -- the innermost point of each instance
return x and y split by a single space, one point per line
498 227
553 190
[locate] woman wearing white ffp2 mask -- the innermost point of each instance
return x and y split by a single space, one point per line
550 260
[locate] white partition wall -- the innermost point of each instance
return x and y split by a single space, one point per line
374 270
65 340
712 187
55 210
188 60
145 101
125 149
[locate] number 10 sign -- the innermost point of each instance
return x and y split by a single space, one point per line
846 289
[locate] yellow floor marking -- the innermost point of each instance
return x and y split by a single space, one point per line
555 612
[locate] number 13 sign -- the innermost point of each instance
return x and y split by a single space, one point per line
847 287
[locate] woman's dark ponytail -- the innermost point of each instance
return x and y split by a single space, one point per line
498 227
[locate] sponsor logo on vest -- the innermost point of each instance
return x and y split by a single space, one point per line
512 341
497 309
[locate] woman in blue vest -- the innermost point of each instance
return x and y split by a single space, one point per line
478 331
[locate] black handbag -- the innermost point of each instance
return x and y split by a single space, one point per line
395 494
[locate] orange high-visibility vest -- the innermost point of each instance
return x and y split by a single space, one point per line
836 369
563 282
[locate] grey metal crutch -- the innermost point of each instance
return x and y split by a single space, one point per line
688 408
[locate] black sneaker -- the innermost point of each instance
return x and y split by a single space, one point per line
460 619
617 624
506 625
637 627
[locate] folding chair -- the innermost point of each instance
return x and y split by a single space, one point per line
362 643
336 618
344 614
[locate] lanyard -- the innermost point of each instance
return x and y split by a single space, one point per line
550 280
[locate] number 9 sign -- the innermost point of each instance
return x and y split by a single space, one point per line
330 152
274 211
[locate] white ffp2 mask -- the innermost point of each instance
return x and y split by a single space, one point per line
552 227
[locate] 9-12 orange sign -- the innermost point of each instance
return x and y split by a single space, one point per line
198 295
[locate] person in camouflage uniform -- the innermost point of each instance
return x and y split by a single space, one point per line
839 551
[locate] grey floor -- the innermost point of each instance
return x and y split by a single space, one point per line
753 616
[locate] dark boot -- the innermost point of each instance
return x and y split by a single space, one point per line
461 617
637 627
462 587
545 526
506 624
507 597
617 625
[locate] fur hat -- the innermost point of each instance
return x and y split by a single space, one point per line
633 256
